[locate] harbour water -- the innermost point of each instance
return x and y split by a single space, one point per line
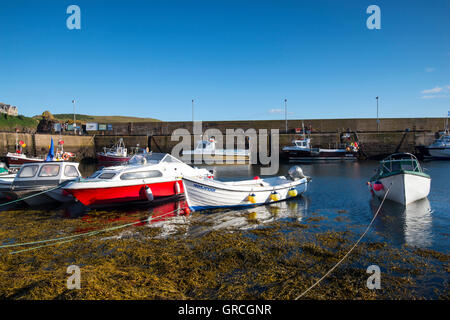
337 201
340 188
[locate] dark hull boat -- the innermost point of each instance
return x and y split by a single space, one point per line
301 151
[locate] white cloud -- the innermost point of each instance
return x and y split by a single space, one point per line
434 90
276 111
280 111
435 96
430 69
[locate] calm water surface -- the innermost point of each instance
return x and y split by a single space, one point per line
339 193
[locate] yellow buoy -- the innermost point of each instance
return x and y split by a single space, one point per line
251 198
275 196
252 215
292 193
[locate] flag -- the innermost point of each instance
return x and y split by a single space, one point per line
51 152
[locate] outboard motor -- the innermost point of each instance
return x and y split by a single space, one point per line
296 173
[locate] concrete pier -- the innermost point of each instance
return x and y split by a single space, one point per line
395 135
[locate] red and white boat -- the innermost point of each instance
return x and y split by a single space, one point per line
18 158
145 178
116 154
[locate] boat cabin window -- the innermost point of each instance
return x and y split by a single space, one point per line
398 165
171 159
150 158
141 175
49 170
202 145
28 171
107 175
95 174
71 171
301 143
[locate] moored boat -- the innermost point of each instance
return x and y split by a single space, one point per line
403 176
145 178
118 153
206 151
440 148
204 194
301 151
41 182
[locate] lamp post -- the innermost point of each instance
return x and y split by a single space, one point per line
192 110
378 120
285 114
74 118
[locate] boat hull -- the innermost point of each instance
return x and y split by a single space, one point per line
440 153
405 188
204 194
218 158
303 155
14 162
101 157
124 194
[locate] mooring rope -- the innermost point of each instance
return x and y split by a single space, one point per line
60 240
354 246
30 196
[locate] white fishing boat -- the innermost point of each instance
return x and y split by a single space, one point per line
204 194
207 151
403 176
440 148
41 182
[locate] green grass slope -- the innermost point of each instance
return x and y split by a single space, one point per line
12 122
100 119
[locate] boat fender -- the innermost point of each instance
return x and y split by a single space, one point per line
252 215
148 193
378 186
251 198
275 196
177 187
293 192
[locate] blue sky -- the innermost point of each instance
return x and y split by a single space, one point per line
237 59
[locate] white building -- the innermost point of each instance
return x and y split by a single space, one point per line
8 109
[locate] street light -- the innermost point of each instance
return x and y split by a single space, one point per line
192 110
74 118
285 114
378 120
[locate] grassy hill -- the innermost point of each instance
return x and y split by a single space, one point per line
101 119
12 122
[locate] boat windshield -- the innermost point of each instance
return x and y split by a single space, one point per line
399 162
153 158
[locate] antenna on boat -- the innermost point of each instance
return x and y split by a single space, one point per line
303 130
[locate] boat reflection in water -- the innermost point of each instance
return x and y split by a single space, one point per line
411 224
249 218
174 217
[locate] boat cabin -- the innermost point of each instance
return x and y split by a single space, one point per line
51 172
206 145
304 143
399 162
